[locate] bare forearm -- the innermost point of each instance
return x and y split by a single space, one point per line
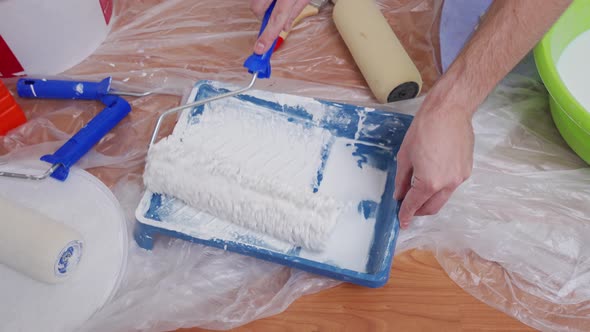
436 155
510 29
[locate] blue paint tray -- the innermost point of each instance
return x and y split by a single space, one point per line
358 167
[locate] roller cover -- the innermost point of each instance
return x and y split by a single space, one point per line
37 246
389 71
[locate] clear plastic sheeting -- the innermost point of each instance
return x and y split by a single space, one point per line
514 235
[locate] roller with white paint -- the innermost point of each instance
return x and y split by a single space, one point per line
252 167
386 66
36 245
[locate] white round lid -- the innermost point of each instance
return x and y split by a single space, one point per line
87 205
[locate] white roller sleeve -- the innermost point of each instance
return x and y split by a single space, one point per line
37 246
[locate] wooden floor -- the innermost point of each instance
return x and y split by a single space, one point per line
419 297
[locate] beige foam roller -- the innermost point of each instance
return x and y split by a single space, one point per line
388 69
37 246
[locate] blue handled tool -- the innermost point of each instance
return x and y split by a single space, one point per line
70 153
58 89
257 64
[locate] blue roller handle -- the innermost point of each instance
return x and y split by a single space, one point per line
260 63
116 110
58 89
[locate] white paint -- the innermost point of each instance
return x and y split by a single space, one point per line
350 242
86 205
201 225
574 69
249 166
80 88
368 184
313 107
360 125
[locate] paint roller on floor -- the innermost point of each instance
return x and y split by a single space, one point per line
37 246
208 177
382 59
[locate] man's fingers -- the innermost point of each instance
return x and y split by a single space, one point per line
435 203
414 200
403 178
259 7
403 175
295 11
279 16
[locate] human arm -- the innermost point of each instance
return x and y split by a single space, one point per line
438 149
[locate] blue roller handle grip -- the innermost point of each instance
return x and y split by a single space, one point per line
70 153
58 89
260 63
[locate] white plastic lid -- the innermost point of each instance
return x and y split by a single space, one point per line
88 206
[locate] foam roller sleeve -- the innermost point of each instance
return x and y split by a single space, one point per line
386 66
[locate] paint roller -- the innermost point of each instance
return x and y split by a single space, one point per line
386 66
37 246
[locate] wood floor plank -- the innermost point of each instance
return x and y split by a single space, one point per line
419 297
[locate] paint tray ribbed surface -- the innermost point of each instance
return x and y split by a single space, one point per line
340 152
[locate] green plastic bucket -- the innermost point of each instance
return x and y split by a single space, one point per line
571 119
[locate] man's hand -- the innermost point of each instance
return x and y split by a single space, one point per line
282 18
437 152
434 159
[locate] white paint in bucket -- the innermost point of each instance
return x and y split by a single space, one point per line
574 69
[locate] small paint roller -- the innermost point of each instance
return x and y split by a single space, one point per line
36 245
386 66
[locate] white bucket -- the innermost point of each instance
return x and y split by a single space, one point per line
47 37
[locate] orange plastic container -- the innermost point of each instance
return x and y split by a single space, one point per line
11 115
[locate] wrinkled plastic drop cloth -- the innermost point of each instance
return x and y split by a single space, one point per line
515 235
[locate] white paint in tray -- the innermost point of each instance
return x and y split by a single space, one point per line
236 131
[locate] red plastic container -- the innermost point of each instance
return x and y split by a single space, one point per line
11 115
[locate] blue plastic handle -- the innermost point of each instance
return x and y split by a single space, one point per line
58 89
116 110
260 63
